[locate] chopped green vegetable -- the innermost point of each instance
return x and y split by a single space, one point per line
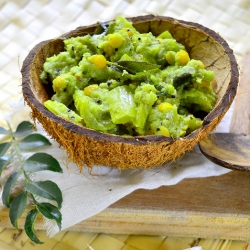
124 82
121 105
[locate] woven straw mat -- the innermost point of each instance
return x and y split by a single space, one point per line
24 23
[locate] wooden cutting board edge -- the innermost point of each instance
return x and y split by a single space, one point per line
164 211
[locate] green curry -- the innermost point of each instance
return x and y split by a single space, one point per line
127 83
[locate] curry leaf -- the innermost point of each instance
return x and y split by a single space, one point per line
4 147
111 28
182 79
40 162
101 28
136 67
46 189
17 207
3 131
29 225
51 212
8 187
4 161
133 67
117 68
23 129
20 140
33 141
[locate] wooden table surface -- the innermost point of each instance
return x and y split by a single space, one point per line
213 207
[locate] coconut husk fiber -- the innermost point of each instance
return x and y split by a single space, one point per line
87 147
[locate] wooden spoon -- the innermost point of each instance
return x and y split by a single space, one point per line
232 150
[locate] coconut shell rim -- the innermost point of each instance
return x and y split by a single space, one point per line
213 114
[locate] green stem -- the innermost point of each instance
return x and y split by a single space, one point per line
19 155
21 160
33 198
17 151
121 68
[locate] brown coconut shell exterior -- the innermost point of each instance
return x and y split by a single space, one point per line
87 147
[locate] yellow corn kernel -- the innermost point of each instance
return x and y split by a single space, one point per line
99 61
89 89
170 57
164 131
115 40
129 31
165 107
59 83
199 65
182 57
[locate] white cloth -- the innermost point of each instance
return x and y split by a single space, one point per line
87 194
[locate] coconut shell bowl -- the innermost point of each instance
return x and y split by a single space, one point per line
87 147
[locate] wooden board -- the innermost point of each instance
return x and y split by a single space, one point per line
214 207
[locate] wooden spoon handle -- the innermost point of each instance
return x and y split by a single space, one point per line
240 123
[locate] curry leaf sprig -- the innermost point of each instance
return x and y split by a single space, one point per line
133 67
12 147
